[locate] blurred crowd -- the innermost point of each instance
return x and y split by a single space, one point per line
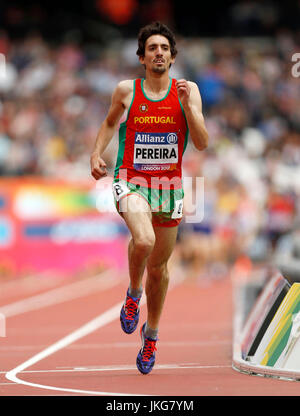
251 103
53 99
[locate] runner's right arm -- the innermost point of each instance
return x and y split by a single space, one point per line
108 128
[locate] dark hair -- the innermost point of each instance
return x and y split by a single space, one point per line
155 28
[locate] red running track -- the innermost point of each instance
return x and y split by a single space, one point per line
49 347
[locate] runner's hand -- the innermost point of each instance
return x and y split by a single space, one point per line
183 90
98 167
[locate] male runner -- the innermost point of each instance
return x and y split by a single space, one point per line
147 187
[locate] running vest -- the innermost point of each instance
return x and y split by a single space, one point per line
152 140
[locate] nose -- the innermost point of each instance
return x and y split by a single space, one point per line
159 51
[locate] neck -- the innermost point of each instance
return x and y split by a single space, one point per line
156 83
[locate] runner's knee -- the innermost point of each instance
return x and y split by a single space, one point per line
158 272
144 244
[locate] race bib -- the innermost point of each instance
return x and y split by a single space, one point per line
119 190
178 209
155 151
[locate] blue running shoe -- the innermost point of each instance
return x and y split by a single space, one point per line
146 357
130 313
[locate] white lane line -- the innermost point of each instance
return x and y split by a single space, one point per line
175 344
121 368
156 368
96 323
68 292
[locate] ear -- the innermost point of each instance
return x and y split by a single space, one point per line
142 59
172 61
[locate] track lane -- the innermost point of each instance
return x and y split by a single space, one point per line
194 349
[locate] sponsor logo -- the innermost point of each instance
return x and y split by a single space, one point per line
158 138
172 138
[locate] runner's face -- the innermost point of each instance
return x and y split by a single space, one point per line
157 54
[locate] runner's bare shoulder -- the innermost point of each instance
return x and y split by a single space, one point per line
124 92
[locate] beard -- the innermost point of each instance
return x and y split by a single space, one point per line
159 69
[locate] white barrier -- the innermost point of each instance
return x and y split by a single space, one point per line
268 343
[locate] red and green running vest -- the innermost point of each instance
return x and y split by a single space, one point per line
152 140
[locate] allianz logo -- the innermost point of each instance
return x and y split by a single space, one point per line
170 138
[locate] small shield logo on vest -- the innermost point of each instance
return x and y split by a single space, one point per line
143 108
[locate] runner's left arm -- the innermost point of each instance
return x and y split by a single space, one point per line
190 98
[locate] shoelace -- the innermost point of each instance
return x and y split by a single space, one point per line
131 308
148 350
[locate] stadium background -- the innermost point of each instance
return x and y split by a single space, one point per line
62 65
58 228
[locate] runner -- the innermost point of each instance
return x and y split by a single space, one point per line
161 113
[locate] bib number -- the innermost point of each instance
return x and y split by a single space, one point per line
120 189
178 209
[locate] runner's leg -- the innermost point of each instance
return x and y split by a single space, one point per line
157 273
137 215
